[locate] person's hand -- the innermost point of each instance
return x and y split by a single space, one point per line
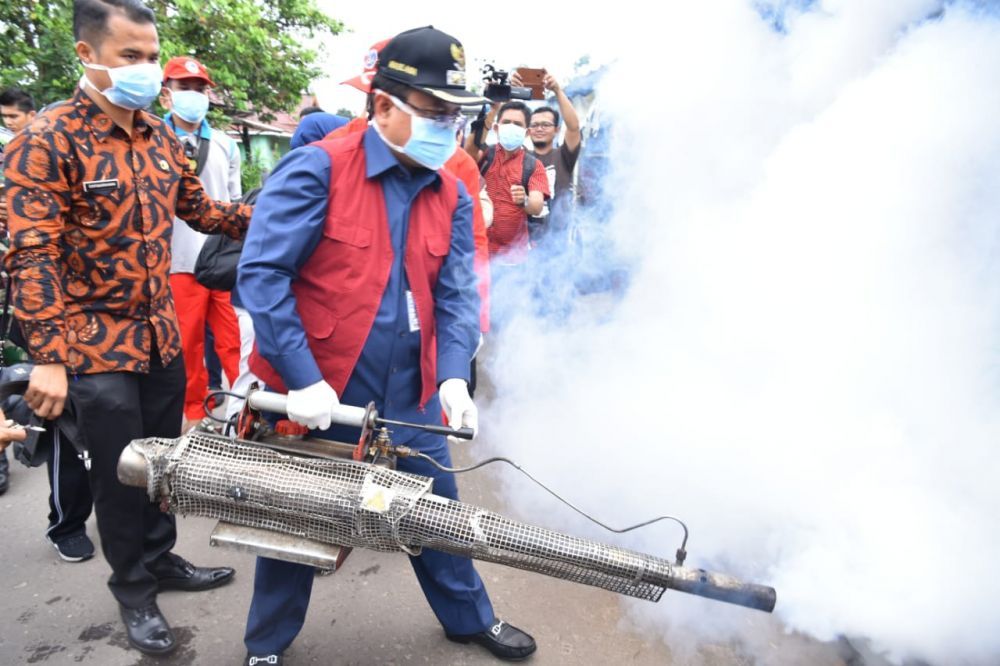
47 388
458 406
516 80
549 83
313 405
518 194
9 434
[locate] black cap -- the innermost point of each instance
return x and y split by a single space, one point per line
431 61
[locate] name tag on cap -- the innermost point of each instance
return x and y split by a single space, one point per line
100 186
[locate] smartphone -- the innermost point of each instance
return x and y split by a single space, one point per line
532 78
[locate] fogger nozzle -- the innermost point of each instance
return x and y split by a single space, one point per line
356 504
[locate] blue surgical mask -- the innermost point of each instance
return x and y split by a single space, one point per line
431 142
189 105
132 86
511 136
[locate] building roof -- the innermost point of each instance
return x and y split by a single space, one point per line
283 123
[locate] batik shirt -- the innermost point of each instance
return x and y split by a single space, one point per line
91 213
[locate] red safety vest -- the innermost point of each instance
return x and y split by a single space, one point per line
339 288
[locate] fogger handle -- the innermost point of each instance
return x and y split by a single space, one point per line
265 401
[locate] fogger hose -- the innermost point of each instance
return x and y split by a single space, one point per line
405 451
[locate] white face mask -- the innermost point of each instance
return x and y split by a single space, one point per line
511 136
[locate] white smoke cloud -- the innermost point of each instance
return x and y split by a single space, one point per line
805 365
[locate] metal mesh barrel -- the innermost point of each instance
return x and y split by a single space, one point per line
356 504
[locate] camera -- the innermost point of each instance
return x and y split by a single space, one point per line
498 89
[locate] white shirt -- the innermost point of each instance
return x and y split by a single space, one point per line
221 180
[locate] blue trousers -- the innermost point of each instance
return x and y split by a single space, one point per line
451 584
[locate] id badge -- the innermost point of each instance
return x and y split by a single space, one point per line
411 312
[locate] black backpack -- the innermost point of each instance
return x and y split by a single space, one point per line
215 267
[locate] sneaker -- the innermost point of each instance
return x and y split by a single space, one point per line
75 548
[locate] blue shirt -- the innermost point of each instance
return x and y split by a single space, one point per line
204 131
314 127
287 225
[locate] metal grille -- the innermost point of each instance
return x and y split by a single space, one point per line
357 504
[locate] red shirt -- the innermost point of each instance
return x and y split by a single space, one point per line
463 167
508 236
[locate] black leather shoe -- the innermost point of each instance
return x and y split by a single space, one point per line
262 660
180 574
148 631
505 641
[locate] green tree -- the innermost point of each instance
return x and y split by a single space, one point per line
37 52
261 53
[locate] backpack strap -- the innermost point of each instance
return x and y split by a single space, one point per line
527 165
527 168
488 157
203 146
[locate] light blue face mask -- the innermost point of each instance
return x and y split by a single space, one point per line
132 86
511 136
189 105
432 140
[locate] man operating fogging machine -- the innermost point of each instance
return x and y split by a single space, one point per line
358 273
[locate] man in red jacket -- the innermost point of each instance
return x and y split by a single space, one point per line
358 274
460 164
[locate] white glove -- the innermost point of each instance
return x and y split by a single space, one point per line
458 406
313 405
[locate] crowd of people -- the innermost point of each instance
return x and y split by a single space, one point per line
362 271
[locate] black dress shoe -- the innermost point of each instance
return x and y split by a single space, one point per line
148 631
505 641
182 575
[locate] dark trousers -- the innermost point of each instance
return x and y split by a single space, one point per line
115 408
451 584
212 362
70 501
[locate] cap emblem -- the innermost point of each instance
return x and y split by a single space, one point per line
458 55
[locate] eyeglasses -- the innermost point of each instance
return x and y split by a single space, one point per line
541 125
455 120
